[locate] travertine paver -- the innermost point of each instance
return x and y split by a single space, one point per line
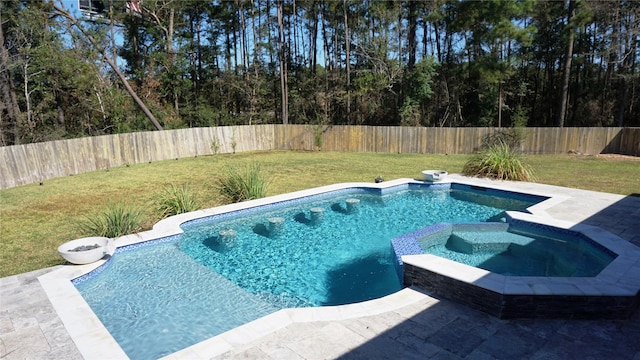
442 329
429 328
432 328
29 326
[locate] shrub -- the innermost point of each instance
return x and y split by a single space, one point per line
234 142
498 161
117 220
317 135
215 145
175 200
240 184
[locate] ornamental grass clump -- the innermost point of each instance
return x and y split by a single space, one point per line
498 161
174 200
242 183
119 219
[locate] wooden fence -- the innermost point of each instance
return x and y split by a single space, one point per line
23 164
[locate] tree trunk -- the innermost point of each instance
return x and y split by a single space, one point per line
627 70
168 31
256 40
313 38
325 43
549 87
27 93
243 39
114 48
194 29
412 39
227 48
436 33
347 60
283 66
400 19
131 92
172 57
566 71
60 117
499 104
295 32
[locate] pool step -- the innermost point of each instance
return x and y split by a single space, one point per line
472 242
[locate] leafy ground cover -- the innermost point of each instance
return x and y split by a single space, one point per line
35 219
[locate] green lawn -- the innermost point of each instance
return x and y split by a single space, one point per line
35 219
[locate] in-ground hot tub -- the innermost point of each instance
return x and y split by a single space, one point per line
525 268
513 250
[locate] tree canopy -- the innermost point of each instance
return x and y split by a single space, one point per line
153 64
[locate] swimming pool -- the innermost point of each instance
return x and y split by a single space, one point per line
613 287
215 285
516 250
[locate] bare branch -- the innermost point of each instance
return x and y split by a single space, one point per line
62 11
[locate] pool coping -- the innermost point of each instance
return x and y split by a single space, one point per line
617 284
610 281
94 341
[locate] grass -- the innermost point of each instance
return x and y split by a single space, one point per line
35 220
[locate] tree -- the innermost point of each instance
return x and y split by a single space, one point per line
491 37
203 63
111 62
163 16
566 69
9 133
418 90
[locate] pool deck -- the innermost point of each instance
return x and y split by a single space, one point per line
408 324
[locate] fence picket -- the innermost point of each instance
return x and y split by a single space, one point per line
23 164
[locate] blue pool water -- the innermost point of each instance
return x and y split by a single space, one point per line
162 296
512 251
